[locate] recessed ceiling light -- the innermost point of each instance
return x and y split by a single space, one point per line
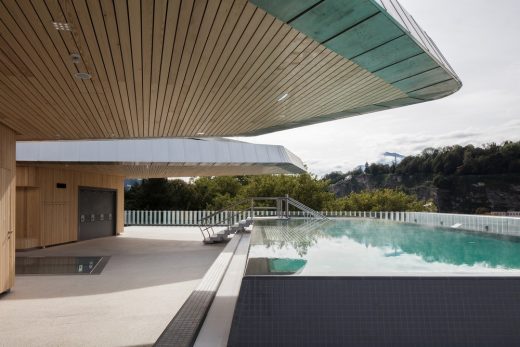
200 133
61 26
82 76
283 97
76 58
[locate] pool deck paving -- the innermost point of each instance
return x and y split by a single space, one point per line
150 274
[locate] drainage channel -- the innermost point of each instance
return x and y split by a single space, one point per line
209 304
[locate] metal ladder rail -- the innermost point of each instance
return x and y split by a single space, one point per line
203 220
206 225
305 208
227 222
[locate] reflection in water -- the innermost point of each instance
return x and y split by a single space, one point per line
434 244
299 234
372 246
274 266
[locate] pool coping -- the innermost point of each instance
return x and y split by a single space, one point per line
184 328
217 325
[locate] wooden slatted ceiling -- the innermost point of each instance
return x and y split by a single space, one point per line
167 68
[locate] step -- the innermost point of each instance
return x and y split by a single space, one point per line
225 232
219 238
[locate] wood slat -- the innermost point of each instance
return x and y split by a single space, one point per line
122 19
201 45
270 47
177 54
88 88
257 25
7 207
309 66
159 25
228 14
166 68
197 14
11 89
94 36
51 41
21 31
104 29
39 74
227 41
170 32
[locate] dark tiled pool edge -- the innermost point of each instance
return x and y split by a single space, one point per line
377 311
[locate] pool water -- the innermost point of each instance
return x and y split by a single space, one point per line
363 247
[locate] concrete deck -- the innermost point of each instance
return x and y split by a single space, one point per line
151 272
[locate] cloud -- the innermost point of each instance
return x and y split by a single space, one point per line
486 109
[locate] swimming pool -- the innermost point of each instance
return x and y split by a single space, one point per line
364 282
363 247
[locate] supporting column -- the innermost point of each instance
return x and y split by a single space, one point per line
7 207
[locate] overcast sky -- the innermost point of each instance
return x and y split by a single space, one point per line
480 39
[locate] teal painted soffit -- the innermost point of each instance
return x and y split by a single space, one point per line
365 33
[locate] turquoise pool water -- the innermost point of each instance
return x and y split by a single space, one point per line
361 247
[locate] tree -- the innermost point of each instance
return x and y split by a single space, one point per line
384 200
151 194
334 177
305 188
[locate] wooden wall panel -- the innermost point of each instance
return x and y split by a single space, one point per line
28 222
56 223
25 176
7 207
58 207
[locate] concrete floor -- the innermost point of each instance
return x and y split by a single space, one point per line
151 272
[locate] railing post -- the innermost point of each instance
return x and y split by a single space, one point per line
227 219
287 205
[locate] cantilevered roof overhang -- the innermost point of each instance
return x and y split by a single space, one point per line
379 36
183 68
144 158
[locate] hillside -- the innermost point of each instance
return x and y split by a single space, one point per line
458 194
458 179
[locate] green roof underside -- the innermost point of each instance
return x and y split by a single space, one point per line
365 33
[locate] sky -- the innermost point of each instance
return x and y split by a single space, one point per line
480 39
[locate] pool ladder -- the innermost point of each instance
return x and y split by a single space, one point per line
218 226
